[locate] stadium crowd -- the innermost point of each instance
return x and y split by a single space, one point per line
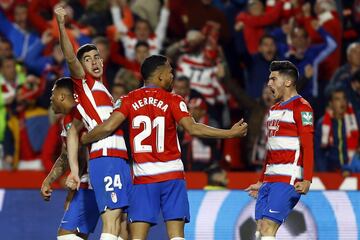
221 50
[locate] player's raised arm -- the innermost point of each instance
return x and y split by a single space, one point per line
75 66
105 129
239 129
73 180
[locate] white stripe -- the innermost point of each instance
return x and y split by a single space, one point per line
154 168
294 174
207 215
284 169
111 142
282 116
344 213
205 89
2 197
283 143
89 122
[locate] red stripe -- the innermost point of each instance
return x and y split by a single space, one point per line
202 85
159 178
110 153
279 178
280 157
88 107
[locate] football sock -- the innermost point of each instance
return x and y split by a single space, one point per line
108 236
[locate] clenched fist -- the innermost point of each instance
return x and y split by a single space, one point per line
60 14
239 129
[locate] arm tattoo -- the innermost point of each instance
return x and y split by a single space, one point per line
59 168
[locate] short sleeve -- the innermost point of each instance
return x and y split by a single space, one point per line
122 105
179 108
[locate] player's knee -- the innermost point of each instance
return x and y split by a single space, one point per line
268 228
69 237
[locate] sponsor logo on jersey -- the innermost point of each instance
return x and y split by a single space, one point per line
307 118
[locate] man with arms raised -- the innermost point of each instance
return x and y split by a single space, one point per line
153 113
289 160
109 172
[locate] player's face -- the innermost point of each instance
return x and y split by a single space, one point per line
167 77
276 84
56 100
93 64
338 103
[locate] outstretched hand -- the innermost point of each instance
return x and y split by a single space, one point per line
240 128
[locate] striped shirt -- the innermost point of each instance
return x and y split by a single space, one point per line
290 152
95 106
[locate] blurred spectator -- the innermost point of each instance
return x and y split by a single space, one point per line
217 178
199 152
147 10
336 135
5 48
18 33
345 72
352 90
127 79
254 21
142 31
30 125
257 66
329 20
35 60
188 15
302 53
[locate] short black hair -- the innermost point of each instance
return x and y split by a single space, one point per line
150 64
65 83
142 44
211 171
285 68
356 76
332 89
84 49
265 36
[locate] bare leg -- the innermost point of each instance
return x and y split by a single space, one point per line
268 227
175 228
139 230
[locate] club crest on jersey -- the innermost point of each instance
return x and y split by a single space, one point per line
117 104
307 118
183 107
113 197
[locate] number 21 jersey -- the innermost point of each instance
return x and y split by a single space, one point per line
153 114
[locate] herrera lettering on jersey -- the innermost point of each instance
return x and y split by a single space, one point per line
150 101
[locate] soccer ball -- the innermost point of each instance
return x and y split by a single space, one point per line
299 225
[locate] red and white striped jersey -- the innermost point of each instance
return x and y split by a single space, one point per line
290 152
83 155
202 77
153 113
95 106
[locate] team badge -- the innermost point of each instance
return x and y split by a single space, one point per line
183 107
113 197
307 118
117 104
